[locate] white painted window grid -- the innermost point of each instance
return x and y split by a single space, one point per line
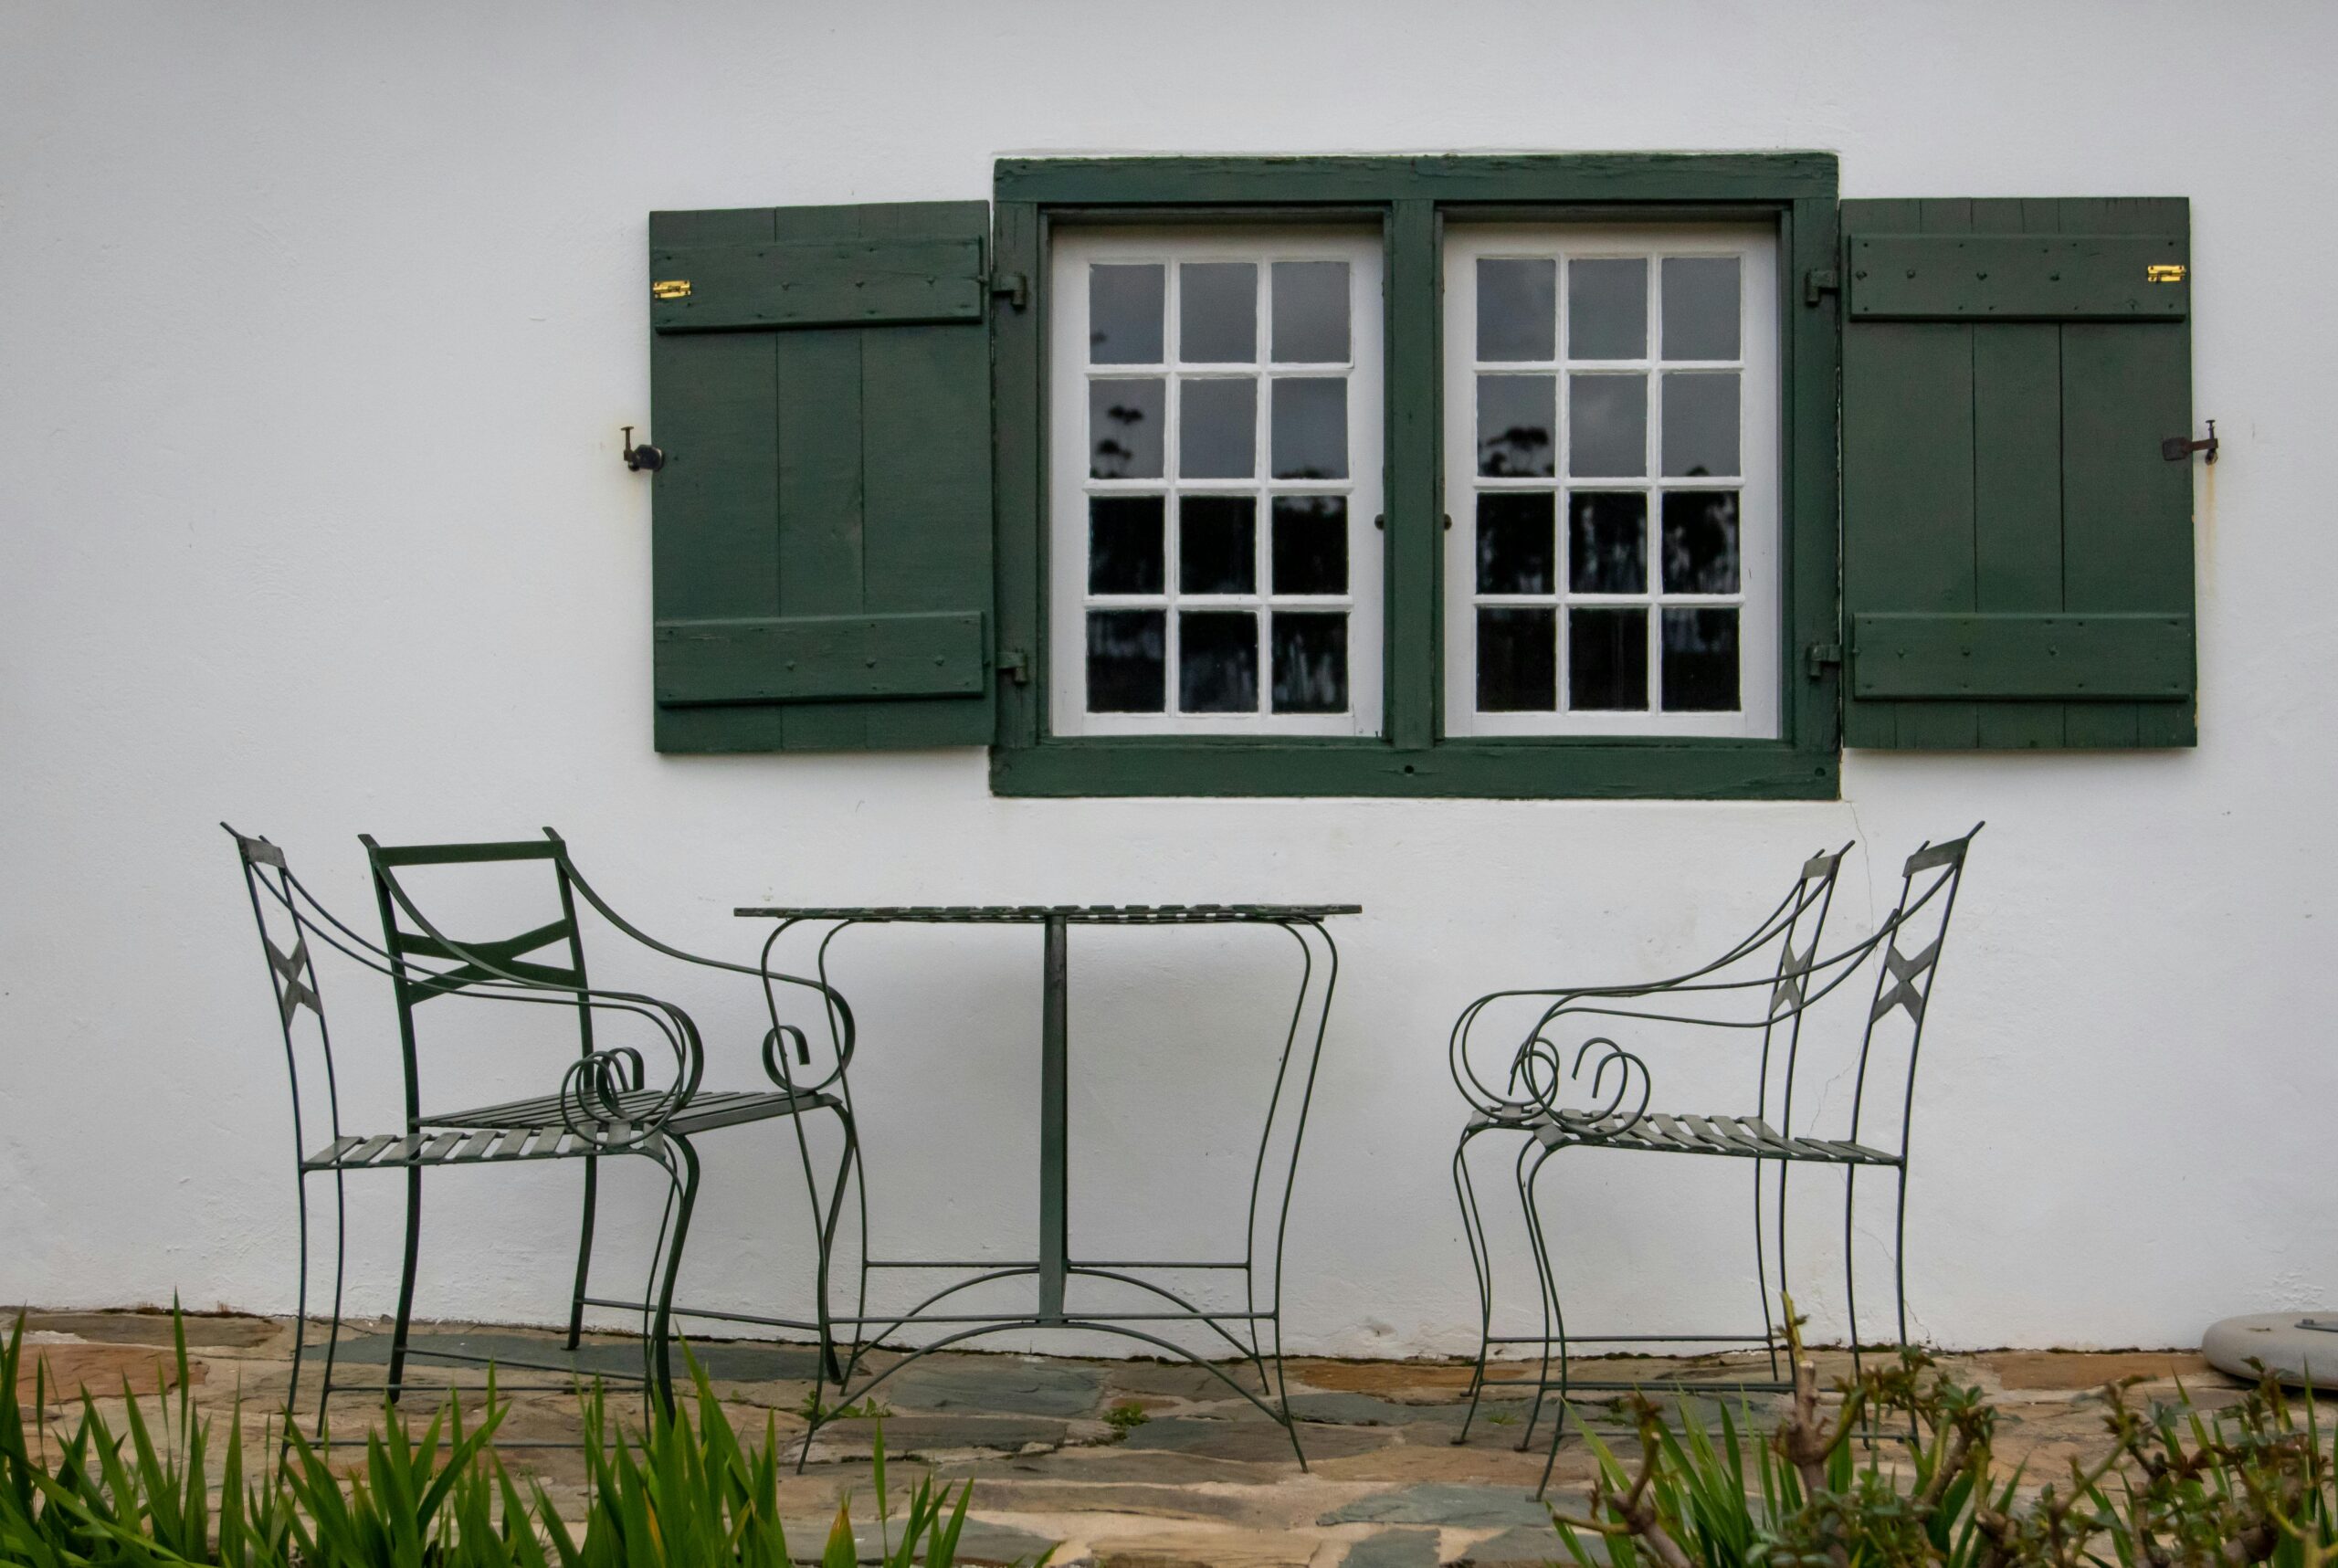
1758 599
1073 252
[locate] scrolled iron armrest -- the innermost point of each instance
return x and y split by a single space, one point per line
1539 1068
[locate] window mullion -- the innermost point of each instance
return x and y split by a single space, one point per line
1414 539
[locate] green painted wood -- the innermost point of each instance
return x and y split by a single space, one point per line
2127 512
2016 276
1908 481
822 473
808 658
1517 180
2009 470
1414 541
1811 350
2017 481
1018 400
861 282
2095 658
1502 770
1410 197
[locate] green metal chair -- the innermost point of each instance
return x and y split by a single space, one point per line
1906 950
604 1105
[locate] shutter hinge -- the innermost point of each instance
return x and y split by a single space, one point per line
1821 656
1820 280
1014 665
1010 287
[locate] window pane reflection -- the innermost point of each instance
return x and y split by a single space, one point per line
1124 430
1125 664
1217 661
1607 659
1124 550
1518 660
1310 662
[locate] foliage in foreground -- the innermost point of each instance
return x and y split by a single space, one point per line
686 1494
2248 1485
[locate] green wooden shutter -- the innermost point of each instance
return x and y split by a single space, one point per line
2017 551
820 385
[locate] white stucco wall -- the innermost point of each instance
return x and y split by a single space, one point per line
319 322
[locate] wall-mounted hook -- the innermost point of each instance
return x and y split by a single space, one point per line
646 456
2176 448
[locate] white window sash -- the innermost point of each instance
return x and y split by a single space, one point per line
1760 535
1073 251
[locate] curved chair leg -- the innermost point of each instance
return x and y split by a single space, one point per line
1556 1316
662 1331
1542 1277
1899 1254
398 1334
300 1306
584 1250
1282 1392
339 1275
1481 1265
847 1162
1851 1274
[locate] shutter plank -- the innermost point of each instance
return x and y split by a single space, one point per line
1908 493
2016 479
2128 510
926 491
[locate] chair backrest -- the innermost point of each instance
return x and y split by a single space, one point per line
284 934
408 934
1908 956
1798 949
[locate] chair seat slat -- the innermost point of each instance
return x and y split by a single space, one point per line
475 1146
335 1151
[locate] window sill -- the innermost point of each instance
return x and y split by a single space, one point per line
1476 769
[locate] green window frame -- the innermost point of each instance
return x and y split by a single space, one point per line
1411 199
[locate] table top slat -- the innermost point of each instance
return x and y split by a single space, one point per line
1077 914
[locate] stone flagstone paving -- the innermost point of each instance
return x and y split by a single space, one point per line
1203 1481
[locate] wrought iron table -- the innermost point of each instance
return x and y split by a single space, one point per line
1261 1266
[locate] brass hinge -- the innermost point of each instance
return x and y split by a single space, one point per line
670 289
2163 272
1011 287
1014 665
1822 655
1820 280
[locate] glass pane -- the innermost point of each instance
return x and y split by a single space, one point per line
1124 553
1516 416
1124 430
1311 544
1310 311
1515 549
1517 310
1518 661
1218 428
1217 661
1310 438
1310 662
1700 423
1217 544
1701 661
1607 659
1607 542
1218 312
1700 543
1125 667
1607 308
1700 306
1124 314
1607 420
